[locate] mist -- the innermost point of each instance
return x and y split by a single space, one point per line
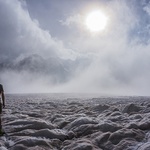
36 58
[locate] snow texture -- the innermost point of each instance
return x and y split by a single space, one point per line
39 122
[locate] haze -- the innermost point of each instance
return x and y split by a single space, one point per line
46 47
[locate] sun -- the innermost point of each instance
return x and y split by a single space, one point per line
96 21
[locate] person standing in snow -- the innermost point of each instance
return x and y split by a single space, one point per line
2 105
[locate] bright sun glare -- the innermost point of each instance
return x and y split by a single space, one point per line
96 21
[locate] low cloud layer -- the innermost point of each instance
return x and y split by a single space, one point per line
115 61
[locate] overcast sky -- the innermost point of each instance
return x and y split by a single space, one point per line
45 46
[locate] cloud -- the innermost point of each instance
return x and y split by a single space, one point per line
115 61
22 35
122 57
28 53
77 19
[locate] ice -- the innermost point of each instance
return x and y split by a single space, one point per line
45 122
3 148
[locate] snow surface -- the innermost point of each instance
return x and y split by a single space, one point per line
75 122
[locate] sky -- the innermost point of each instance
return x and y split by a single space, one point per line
46 47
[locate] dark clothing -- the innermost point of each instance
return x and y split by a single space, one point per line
1 88
1 91
1 106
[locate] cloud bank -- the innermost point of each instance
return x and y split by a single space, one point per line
113 62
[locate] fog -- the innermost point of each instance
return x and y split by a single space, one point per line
60 55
